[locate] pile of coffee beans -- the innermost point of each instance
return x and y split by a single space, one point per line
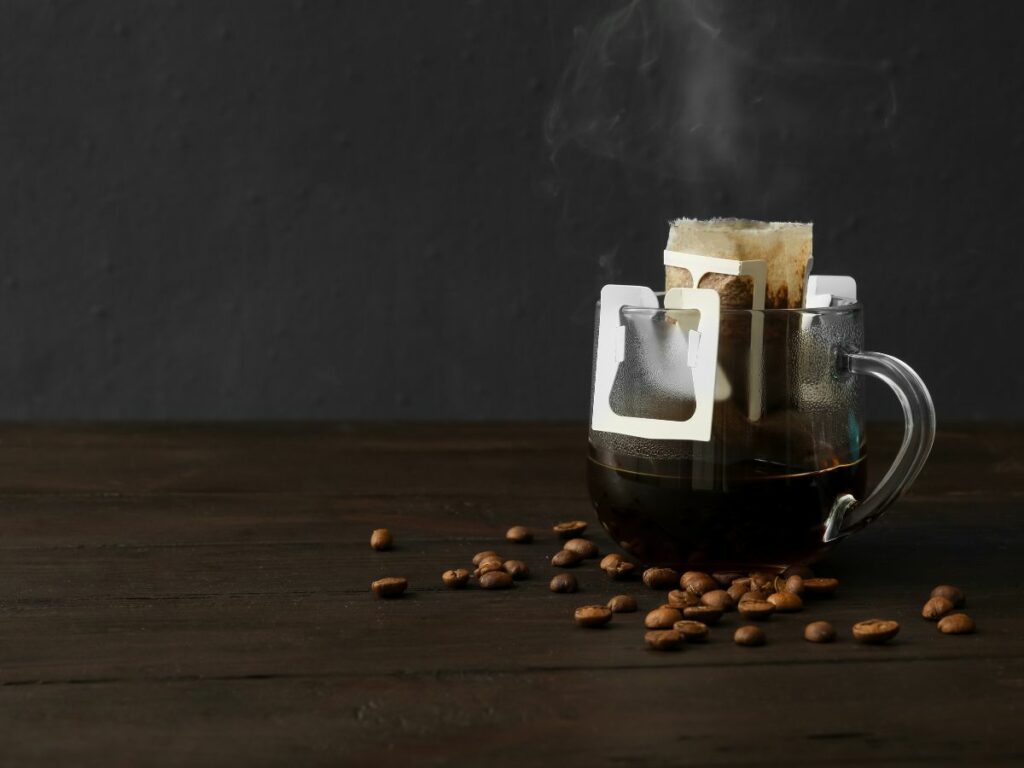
695 600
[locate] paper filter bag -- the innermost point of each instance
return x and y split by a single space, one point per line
785 247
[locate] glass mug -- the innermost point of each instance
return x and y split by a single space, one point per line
765 492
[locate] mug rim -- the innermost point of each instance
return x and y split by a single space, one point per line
845 305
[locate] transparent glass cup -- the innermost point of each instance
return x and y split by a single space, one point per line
778 483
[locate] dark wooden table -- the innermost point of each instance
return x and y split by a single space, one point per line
200 595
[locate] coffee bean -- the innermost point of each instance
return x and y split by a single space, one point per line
954 595
819 632
758 610
687 575
622 604
799 570
495 580
762 580
381 539
663 640
660 578
678 598
753 595
743 582
786 602
818 587
662 618
875 631
725 580
563 582
736 591
692 631
609 560
585 548
718 598
456 578
704 613
517 569
936 608
479 556
565 559
490 560
487 566
956 624
792 584
593 615
698 585
390 586
620 570
519 534
749 635
570 529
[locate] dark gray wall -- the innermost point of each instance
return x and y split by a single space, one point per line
406 209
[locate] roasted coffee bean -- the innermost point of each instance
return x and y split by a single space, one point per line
819 632
517 569
718 598
390 586
566 559
622 604
744 582
519 534
819 587
736 591
381 539
570 529
609 560
679 598
687 575
758 610
455 578
487 566
662 618
762 580
875 631
782 584
725 580
799 570
593 615
936 608
792 584
663 640
956 624
479 556
585 548
563 582
698 585
753 595
660 578
704 613
954 595
693 631
786 602
490 560
620 570
495 580
749 635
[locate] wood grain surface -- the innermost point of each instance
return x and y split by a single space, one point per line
200 596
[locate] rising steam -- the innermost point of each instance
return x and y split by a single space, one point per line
694 91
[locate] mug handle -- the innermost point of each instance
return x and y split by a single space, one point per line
848 514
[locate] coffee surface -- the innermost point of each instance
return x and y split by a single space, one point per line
742 515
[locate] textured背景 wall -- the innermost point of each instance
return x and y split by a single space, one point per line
389 210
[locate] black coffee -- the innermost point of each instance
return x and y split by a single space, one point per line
738 516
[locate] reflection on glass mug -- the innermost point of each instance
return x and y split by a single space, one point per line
775 472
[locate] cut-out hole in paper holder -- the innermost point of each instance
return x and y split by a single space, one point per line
668 348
